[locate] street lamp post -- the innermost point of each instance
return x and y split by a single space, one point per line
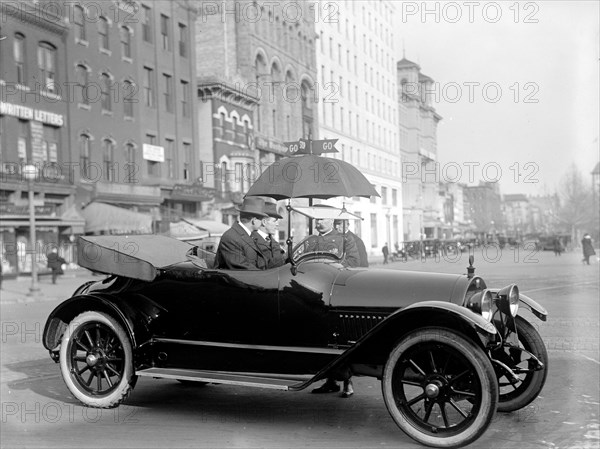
30 173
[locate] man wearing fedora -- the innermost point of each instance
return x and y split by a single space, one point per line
237 249
266 239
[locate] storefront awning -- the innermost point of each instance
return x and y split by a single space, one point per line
101 217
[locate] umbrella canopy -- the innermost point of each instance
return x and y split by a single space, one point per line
311 176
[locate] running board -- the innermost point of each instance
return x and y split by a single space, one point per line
273 381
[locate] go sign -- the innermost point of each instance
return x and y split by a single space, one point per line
304 146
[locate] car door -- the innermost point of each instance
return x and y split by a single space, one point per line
221 319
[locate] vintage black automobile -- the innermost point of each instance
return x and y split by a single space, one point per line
449 350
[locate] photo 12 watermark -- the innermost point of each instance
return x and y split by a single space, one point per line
469 12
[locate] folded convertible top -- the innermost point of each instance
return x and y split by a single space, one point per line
132 256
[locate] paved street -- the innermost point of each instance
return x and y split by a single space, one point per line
37 409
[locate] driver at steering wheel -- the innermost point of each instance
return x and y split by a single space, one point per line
331 241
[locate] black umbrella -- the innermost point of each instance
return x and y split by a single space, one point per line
311 176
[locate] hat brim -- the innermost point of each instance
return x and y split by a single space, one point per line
252 212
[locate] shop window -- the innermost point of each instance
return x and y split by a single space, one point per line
23 141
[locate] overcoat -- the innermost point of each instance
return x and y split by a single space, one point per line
238 251
271 250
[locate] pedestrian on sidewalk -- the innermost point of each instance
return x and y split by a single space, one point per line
55 263
587 247
385 250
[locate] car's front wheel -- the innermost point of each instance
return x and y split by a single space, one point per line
440 388
96 360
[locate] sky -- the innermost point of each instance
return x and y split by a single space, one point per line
517 85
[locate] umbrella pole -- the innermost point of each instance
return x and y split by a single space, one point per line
310 222
290 239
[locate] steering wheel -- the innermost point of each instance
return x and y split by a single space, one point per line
317 255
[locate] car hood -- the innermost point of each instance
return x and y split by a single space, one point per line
395 289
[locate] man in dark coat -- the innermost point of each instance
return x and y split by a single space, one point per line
237 249
588 248
386 252
363 258
55 263
336 243
331 241
266 237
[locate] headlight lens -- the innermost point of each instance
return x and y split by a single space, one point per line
513 297
509 299
482 303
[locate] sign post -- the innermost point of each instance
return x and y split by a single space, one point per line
309 146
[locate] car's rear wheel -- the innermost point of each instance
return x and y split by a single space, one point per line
516 395
96 360
440 388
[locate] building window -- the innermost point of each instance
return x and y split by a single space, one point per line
373 230
125 42
105 92
187 161
47 66
183 40
153 166
164 32
149 87
130 169
384 196
146 23
81 80
128 98
19 56
108 154
84 153
79 22
394 197
50 144
169 152
23 141
168 93
103 33
185 95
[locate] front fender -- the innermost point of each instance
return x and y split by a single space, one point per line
373 349
135 313
535 308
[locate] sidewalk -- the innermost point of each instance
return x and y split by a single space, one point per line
15 290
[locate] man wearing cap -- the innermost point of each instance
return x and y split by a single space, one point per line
266 239
330 240
237 249
342 227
